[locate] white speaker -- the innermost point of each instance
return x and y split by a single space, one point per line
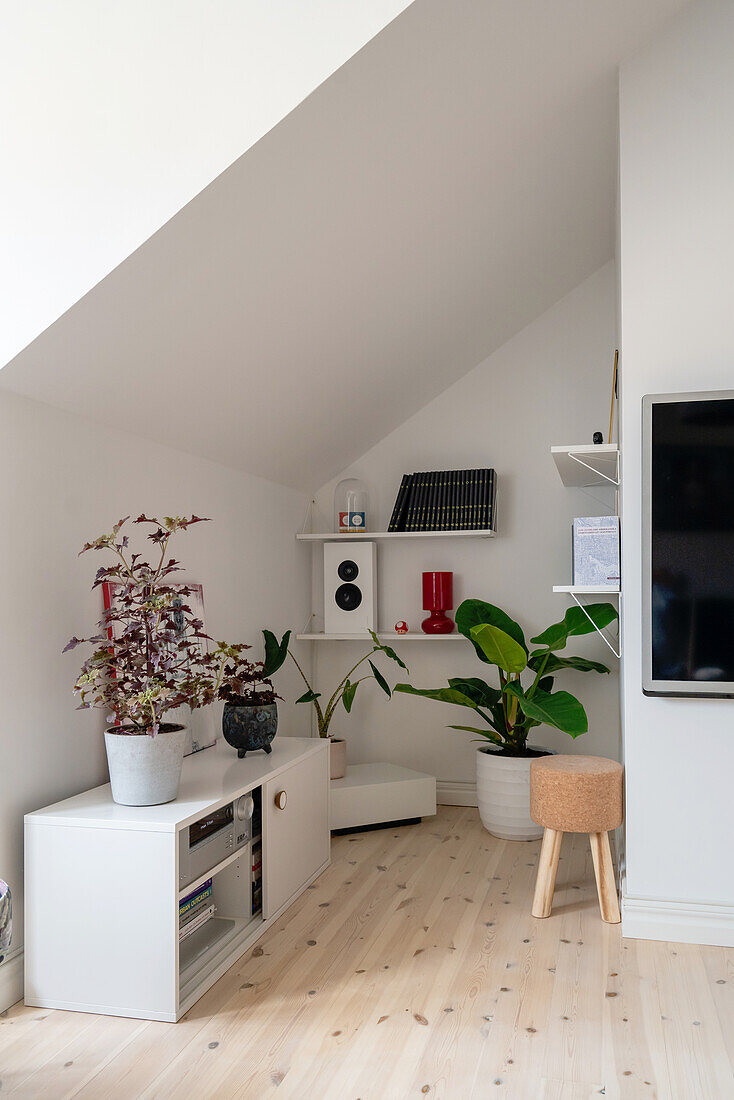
350 589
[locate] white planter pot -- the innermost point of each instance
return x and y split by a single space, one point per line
337 758
503 796
145 771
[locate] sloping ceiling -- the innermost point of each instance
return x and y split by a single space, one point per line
114 115
436 194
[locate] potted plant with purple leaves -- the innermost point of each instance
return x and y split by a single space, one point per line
149 657
250 715
276 653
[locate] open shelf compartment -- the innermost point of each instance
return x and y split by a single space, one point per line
233 923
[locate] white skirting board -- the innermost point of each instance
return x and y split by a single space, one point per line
11 979
370 794
677 921
456 792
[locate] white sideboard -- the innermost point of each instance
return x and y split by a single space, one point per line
102 882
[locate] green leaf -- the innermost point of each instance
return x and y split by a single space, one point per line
471 613
387 650
380 679
350 690
275 651
482 694
554 663
574 622
495 738
500 648
442 695
561 710
545 683
309 697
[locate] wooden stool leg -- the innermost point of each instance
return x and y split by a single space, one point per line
604 873
547 866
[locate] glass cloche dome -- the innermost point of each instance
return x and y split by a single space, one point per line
351 506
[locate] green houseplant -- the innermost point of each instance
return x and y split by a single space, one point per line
276 653
522 699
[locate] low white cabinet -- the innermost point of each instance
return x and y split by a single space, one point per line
102 882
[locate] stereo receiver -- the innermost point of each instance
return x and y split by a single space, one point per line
208 841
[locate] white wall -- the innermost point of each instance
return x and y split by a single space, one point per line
677 240
62 481
131 109
550 384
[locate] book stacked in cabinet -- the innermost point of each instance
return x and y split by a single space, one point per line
104 888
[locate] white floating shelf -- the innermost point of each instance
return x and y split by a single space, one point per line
367 535
588 464
383 635
586 589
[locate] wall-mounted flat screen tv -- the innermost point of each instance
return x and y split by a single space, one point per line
688 544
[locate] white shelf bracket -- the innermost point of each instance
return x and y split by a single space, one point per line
599 473
307 519
600 632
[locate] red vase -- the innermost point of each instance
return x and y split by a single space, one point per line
438 597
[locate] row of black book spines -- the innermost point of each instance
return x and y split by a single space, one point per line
456 500
440 500
445 500
456 505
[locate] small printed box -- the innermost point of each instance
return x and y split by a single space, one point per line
596 551
349 522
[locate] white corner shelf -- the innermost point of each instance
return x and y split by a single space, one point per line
576 590
584 465
369 535
586 589
371 794
383 635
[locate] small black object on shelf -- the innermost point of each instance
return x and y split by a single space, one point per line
598 437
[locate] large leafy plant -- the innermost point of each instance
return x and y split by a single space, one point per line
150 652
513 708
276 653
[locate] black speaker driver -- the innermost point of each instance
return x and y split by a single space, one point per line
348 570
348 597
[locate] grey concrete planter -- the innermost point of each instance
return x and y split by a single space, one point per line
145 771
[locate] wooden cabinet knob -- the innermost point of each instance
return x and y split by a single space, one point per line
280 800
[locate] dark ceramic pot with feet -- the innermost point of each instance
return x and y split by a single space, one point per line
249 728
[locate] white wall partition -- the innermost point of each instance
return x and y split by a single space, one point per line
677 240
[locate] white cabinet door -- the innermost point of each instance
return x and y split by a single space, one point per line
296 838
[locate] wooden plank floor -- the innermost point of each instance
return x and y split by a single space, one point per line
413 968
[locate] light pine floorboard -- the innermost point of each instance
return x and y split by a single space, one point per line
413 968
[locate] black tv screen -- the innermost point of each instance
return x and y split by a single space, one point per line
688 544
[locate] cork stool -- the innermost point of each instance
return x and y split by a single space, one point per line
576 794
